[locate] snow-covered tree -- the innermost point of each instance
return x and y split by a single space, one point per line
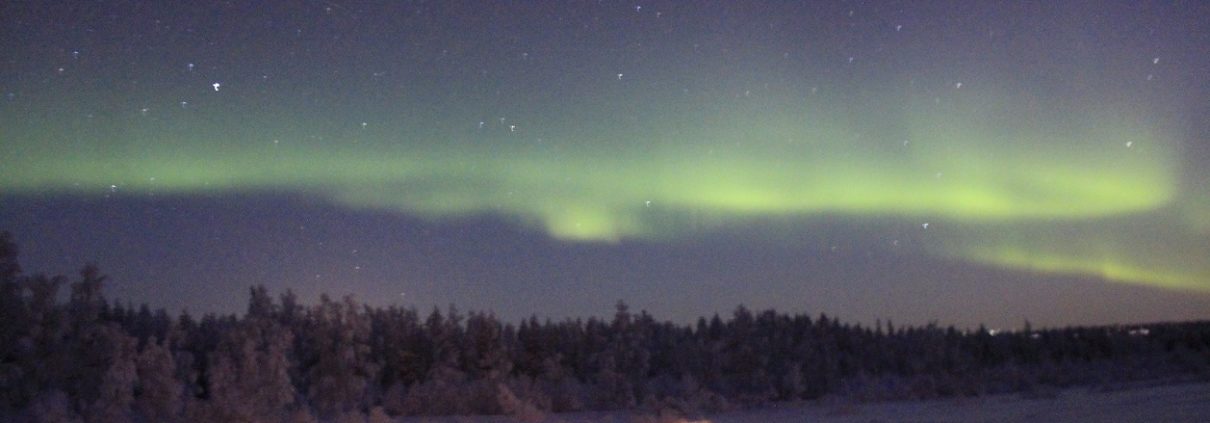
338 342
248 374
612 388
109 374
484 352
158 391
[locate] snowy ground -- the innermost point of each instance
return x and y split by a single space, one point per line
1171 403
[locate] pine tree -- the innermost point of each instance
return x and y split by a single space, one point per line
86 302
10 269
13 321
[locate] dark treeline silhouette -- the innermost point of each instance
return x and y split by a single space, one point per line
89 359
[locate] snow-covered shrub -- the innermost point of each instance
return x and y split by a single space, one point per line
378 415
443 393
527 391
517 408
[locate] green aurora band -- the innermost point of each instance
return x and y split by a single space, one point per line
998 190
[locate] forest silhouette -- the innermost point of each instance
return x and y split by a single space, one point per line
81 357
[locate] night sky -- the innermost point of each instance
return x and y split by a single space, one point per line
960 162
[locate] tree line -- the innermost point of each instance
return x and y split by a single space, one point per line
84 358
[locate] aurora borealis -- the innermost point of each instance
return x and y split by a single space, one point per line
1021 145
